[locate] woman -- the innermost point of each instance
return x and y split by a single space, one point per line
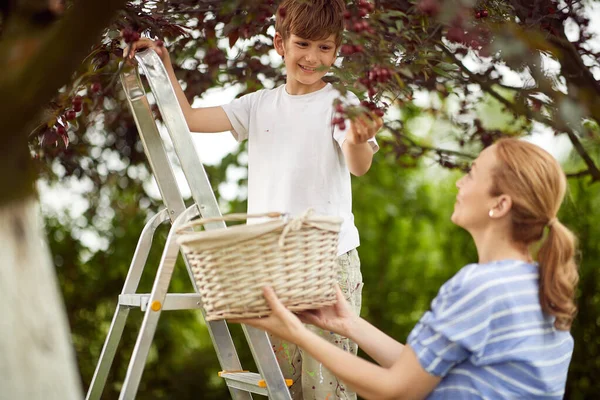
499 328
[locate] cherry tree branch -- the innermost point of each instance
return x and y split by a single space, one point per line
529 114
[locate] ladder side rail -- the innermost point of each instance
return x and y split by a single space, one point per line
142 250
154 310
202 192
115 332
176 125
152 142
166 181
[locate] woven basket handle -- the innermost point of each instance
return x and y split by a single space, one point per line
228 217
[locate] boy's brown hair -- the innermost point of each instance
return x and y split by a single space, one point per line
311 19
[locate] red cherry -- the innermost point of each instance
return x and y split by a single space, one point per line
342 125
347 14
159 43
484 13
61 130
339 108
455 34
129 35
347 49
96 87
362 13
429 7
364 4
70 115
478 14
77 107
77 100
282 12
379 112
358 48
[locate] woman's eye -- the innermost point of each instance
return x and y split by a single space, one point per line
325 48
303 44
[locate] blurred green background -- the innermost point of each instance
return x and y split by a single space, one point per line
408 249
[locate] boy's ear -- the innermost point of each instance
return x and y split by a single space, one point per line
278 43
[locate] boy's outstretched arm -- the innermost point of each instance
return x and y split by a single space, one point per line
357 150
208 119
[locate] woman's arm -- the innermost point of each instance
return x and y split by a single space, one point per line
341 319
379 346
403 379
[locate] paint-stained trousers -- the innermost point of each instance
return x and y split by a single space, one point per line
312 381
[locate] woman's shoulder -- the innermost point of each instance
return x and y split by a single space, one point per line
481 282
495 274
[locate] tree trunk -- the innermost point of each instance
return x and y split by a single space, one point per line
37 360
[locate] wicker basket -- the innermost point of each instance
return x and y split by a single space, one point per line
296 257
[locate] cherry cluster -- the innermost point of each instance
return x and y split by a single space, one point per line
429 7
349 49
373 107
355 19
215 56
481 14
130 35
340 119
377 74
59 130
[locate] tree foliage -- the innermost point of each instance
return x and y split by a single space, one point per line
535 60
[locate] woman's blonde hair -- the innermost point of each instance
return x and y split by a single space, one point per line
537 184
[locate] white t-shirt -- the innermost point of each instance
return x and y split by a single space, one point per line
295 158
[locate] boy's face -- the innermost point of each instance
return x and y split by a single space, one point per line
306 61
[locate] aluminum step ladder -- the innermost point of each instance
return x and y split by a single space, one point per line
269 380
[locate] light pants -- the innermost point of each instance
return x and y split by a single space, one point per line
312 381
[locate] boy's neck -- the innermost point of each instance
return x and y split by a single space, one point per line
296 88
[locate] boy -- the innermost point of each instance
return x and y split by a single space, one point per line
298 159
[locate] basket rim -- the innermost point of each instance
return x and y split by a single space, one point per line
244 232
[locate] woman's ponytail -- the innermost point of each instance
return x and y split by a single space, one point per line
558 274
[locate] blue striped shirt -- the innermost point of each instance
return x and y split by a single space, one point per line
487 337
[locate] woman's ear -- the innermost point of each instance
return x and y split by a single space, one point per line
278 44
503 205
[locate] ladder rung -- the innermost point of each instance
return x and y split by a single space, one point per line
249 381
263 384
174 301
244 380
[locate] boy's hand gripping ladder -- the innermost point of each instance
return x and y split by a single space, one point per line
269 381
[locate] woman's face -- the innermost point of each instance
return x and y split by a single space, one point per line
473 200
